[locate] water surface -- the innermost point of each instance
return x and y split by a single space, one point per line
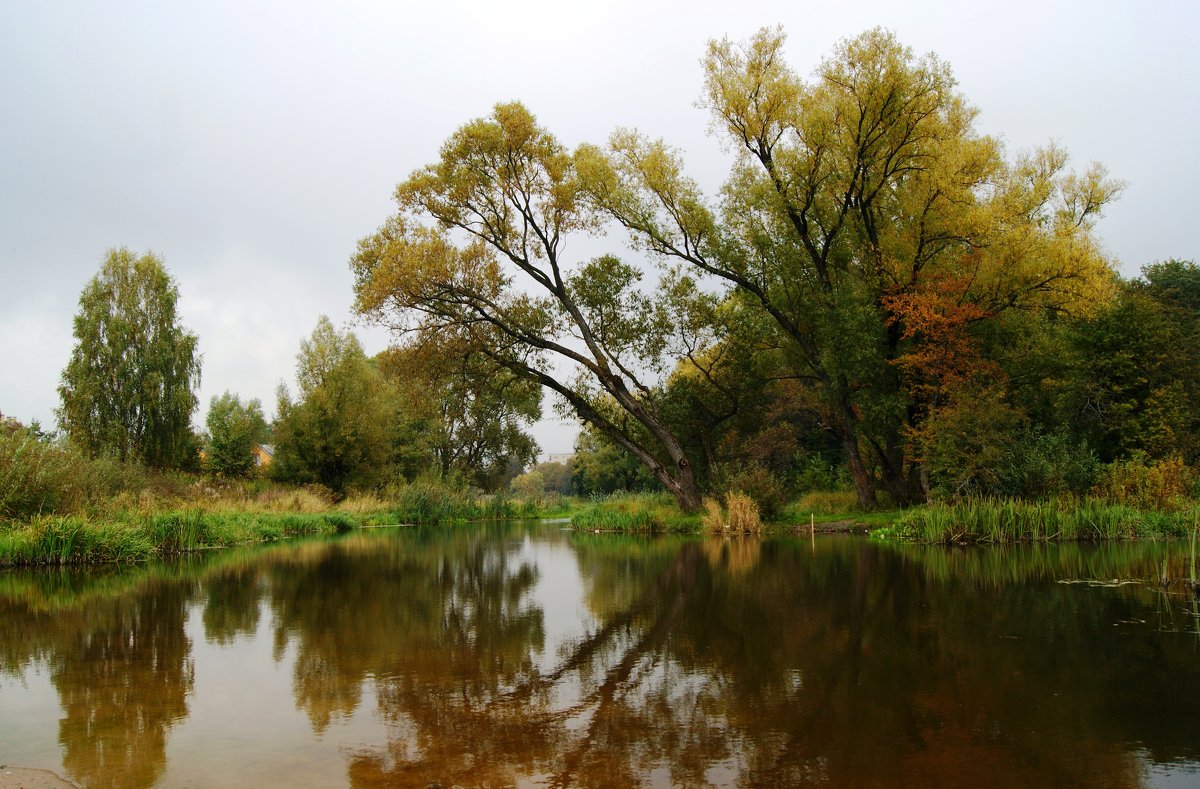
521 654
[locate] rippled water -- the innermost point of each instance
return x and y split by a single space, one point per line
525 655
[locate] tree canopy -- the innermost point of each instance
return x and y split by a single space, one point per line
475 257
234 430
473 413
861 202
865 218
341 431
128 389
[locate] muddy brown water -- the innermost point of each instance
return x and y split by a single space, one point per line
525 655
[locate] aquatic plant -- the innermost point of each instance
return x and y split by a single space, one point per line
1015 520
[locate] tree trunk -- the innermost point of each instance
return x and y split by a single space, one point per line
864 486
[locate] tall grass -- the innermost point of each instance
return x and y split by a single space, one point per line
634 512
837 502
738 516
1013 520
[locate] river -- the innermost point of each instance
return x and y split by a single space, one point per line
523 654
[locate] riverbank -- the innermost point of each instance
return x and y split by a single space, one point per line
235 516
126 529
966 521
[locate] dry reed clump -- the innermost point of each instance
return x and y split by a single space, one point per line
743 513
294 500
713 518
740 515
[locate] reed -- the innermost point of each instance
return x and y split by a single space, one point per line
742 514
989 520
713 519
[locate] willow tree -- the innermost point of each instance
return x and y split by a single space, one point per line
128 389
859 196
475 256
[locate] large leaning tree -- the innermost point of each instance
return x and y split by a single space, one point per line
129 388
476 256
862 202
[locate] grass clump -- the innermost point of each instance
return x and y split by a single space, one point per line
739 515
634 512
825 502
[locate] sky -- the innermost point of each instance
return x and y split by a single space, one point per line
251 144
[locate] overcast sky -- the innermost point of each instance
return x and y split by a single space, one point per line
250 144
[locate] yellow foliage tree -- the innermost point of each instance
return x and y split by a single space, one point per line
851 193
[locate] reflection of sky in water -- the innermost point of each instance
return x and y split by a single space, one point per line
243 713
558 592
29 713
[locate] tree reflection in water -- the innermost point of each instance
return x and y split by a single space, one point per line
776 662
123 670
761 664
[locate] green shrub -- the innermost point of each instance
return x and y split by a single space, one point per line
1039 465
37 477
755 481
818 474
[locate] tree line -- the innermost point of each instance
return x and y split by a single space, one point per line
880 297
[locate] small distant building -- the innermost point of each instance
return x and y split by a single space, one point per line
264 455
560 457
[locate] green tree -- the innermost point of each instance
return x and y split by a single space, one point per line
865 184
233 432
128 389
1131 379
1176 283
475 255
603 466
341 432
475 414
549 477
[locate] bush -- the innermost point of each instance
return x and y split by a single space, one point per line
756 482
1041 465
818 474
37 477
1138 482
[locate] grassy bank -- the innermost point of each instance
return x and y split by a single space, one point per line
174 513
1013 520
73 539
